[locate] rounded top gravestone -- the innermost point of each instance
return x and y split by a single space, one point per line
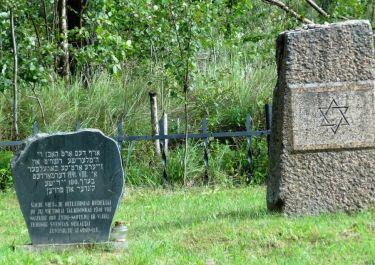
68 186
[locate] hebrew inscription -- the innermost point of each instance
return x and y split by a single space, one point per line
67 171
68 186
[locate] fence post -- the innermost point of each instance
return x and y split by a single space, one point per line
178 125
35 128
78 125
120 135
205 143
165 123
268 113
163 156
250 162
154 120
120 139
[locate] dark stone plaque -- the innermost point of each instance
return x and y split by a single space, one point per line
68 186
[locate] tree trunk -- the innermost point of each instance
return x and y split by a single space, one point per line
15 76
64 60
45 19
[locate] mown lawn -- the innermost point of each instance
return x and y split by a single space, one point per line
208 226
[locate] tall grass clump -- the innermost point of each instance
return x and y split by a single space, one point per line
226 87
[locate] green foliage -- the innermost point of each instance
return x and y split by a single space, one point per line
150 31
221 51
349 8
5 171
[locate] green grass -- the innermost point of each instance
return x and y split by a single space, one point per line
208 226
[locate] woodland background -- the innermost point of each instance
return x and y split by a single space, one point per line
96 61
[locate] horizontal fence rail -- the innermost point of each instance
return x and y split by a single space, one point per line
163 137
10 143
193 136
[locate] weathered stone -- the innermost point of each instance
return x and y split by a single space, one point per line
68 186
322 150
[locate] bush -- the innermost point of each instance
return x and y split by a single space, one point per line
5 171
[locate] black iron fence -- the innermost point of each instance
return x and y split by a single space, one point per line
205 135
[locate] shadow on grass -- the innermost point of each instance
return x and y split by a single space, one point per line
178 223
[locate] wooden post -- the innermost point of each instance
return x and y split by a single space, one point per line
154 120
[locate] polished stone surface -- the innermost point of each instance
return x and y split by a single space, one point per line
68 186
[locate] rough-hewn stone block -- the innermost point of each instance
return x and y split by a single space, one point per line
322 153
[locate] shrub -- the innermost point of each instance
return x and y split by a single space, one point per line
5 171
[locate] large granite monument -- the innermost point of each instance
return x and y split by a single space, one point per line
68 186
322 151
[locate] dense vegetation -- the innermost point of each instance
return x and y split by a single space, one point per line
203 58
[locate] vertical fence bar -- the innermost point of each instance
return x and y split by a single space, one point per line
178 125
78 125
120 135
163 156
205 143
120 139
35 128
165 121
268 112
250 161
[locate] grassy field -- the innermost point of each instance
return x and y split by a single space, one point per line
208 226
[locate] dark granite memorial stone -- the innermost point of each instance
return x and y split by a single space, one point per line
68 186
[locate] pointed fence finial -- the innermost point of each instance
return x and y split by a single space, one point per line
78 125
35 128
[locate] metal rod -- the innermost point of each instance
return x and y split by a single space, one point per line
268 112
176 136
249 150
120 135
205 156
163 156
78 125
10 143
197 135
35 128
165 124
178 125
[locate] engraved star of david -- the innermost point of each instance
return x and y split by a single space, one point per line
334 116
